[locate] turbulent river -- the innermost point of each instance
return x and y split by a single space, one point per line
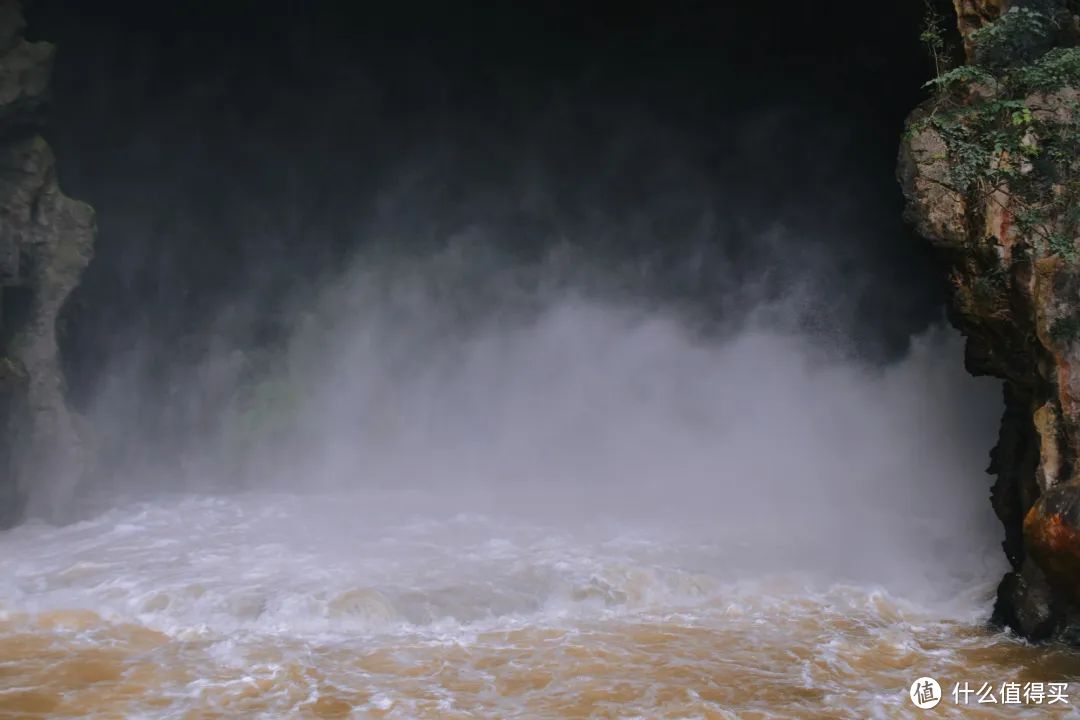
277 605
583 512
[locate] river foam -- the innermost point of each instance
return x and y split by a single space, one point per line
478 496
278 605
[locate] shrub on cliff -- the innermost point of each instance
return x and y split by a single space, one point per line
1017 37
1011 124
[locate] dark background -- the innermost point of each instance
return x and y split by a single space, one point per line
237 151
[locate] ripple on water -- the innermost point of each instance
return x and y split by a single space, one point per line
462 617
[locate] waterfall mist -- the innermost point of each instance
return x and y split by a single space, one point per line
603 286
548 387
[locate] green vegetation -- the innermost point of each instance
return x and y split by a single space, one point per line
990 284
934 37
1011 124
1060 67
1015 39
1066 329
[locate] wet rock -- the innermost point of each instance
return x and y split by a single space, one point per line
1025 604
936 209
46 240
1052 535
1014 278
25 69
972 15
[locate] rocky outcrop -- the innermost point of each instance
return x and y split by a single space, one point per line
971 15
989 169
45 242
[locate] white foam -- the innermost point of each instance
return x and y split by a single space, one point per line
225 565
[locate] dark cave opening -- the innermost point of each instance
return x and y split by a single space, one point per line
236 154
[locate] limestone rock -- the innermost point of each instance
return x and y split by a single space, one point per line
972 15
935 208
1052 534
1015 295
46 240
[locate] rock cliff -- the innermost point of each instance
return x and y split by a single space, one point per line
989 169
46 240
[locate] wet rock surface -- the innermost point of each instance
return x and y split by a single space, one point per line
46 240
1014 277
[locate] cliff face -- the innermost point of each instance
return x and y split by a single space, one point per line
45 242
973 15
989 170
